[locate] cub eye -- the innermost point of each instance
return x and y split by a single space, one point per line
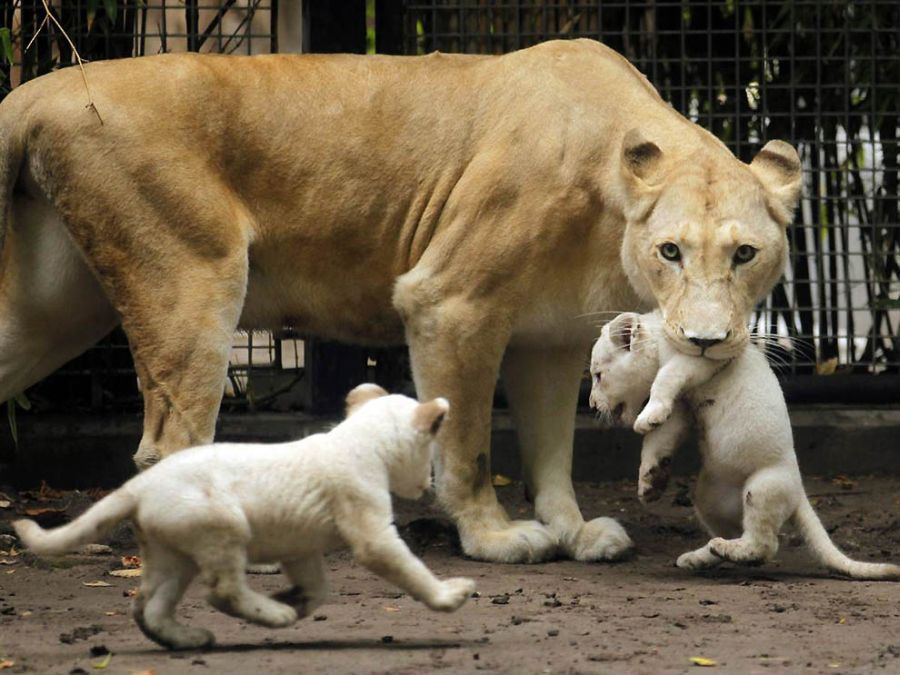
744 254
670 251
597 377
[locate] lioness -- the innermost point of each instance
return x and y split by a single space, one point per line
477 208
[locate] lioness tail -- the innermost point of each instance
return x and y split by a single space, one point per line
85 529
828 554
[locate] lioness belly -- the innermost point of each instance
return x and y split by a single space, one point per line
286 289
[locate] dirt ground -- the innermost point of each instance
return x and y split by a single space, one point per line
638 616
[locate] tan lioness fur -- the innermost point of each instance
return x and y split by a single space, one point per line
477 208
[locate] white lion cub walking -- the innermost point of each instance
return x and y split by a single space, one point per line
750 483
214 509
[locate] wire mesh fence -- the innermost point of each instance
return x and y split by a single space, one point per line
823 75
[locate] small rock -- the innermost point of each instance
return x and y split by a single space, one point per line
387 639
95 549
500 599
198 662
320 617
553 632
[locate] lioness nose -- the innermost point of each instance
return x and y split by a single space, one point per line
705 343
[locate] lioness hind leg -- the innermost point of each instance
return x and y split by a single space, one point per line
166 575
455 348
542 388
172 259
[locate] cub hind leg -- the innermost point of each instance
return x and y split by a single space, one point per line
223 570
309 586
769 499
718 508
166 576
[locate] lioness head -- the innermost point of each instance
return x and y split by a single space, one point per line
706 234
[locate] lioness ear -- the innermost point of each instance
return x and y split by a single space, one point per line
623 330
428 417
778 168
361 394
641 159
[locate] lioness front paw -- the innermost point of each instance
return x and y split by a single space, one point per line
519 541
452 595
653 414
601 539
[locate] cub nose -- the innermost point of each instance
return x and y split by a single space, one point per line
705 343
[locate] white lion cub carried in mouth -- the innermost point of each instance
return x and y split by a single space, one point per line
214 509
749 485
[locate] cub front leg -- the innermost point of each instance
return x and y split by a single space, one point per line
456 347
542 389
659 446
377 546
680 372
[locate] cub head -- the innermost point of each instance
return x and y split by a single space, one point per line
624 362
705 235
403 431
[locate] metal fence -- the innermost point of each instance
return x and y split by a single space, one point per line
823 75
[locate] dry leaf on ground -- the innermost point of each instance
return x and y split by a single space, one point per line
6 663
131 561
703 662
102 663
95 584
127 573
499 480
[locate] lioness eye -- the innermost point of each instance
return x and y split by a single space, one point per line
670 251
597 377
744 254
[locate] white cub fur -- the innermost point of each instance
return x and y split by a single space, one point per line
212 509
750 483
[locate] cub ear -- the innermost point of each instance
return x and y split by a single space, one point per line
778 168
361 394
624 329
428 417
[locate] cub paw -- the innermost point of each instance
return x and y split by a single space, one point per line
279 617
653 414
190 638
654 479
453 594
693 561
739 551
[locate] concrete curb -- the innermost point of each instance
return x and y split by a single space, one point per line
95 450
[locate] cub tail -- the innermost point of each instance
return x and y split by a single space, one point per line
87 528
828 554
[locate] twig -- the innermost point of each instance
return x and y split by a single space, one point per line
37 32
74 51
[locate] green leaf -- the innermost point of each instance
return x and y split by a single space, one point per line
11 416
91 12
23 401
112 9
6 44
